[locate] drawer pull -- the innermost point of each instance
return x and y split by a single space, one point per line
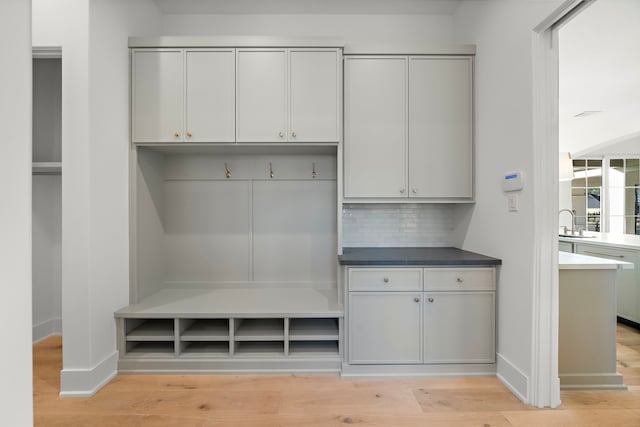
416 299
601 254
459 280
430 299
385 280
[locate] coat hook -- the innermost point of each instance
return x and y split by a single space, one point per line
313 172
228 172
270 170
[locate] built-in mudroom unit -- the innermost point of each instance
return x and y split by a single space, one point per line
237 160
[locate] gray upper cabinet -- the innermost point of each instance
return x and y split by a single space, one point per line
440 127
288 95
157 95
183 95
409 128
314 94
375 127
261 94
210 96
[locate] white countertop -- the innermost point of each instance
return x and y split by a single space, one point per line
628 241
569 261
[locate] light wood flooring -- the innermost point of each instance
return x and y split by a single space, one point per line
293 400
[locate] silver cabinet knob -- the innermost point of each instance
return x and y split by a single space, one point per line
414 191
459 280
293 134
281 134
430 299
416 299
385 280
402 191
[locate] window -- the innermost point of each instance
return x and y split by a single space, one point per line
605 194
624 196
586 191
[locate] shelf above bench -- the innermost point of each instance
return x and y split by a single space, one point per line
241 302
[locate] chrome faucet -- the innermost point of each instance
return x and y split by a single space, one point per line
573 221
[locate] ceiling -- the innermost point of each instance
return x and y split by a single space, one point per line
287 7
600 71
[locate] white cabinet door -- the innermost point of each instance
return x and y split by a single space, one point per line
210 100
627 280
314 88
375 127
385 327
459 327
261 111
440 127
157 95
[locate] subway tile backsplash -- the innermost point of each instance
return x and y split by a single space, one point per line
385 225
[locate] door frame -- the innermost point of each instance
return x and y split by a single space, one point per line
544 389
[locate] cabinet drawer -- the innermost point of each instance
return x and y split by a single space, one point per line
605 252
385 279
461 279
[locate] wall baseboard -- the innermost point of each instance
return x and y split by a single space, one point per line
513 378
87 382
592 381
47 328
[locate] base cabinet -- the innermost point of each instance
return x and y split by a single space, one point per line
450 319
459 327
627 280
386 327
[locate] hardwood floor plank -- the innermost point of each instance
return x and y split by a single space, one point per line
468 400
606 399
574 418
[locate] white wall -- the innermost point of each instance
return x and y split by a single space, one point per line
111 23
350 28
93 36
502 31
15 214
47 256
66 24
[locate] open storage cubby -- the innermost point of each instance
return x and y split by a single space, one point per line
150 337
314 348
259 329
204 337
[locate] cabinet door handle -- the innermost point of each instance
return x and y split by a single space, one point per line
176 135
430 299
416 299
402 191
414 191
189 135
601 254
385 280
293 134
281 134
459 280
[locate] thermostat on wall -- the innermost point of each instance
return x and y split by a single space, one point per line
512 181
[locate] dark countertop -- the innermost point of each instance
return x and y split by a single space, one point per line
414 256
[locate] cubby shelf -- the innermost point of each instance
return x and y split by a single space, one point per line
313 329
313 348
259 330
205 330
151 330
